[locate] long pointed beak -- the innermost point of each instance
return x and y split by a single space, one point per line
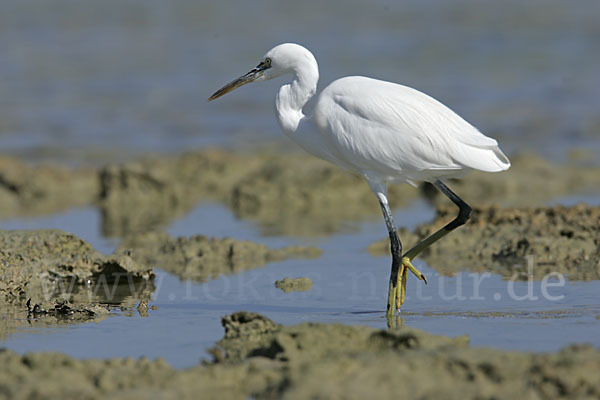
241 81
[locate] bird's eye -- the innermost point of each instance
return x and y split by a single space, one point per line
267 62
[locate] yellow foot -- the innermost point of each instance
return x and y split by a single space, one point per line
402 276
401 286
406 263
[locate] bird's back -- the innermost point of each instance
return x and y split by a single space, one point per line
396 133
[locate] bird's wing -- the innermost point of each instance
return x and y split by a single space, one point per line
386 126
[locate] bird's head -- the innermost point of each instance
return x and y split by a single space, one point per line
280 60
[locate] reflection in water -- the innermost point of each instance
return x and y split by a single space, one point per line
68 301
117 289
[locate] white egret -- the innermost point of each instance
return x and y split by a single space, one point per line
383 131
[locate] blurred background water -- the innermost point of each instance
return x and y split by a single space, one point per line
98 81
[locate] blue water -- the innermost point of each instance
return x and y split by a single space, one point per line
349 286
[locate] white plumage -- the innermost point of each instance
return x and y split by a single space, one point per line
384 131
381 130
395 133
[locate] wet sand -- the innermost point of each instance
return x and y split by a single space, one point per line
260 359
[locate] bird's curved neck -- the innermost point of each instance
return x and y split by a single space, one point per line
292 97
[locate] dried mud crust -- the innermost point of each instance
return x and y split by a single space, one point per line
500 240
50 276
260 359
43 189
202 258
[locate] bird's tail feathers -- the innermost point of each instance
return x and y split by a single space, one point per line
485 158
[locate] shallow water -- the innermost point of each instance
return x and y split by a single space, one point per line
349 286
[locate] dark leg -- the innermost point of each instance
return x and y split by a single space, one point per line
464 212
401 265
396 248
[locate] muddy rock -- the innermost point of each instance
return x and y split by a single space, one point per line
253 335
300 195
450 374
43 189
245 332
53 376
503 241
294 284
338 361
30 259
142 308
202 258
285 193
142 195
50 276
260 359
